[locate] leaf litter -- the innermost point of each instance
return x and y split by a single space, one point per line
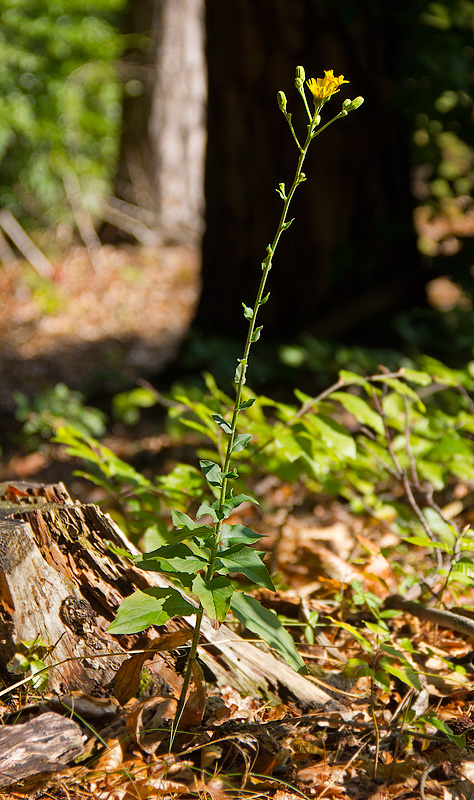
381 737
362 745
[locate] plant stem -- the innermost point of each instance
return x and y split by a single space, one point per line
266 267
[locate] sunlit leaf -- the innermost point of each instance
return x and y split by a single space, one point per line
215 596
151 607
265 624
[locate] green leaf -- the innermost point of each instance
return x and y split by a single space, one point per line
215 597
212 472
237 534
402 388
265 624
406 675
205 508
439 372
233 502
416 376
120 551
256 334
248 312
286 225
181 520
459 741
264 299
353 378
241 441
151 607
364 643
357 668
247 561
336 437
241 370
424 541
222 423
246 404
360 409
172 558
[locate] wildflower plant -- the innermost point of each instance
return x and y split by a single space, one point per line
204 551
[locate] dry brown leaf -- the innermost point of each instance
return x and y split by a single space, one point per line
127 678
112 759
146 717
193 711
209 754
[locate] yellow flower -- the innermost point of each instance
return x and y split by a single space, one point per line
323 88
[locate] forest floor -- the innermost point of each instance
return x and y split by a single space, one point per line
106 328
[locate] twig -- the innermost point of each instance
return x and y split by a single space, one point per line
403 478
447 619
25 245
119 219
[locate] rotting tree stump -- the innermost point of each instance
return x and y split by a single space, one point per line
60 582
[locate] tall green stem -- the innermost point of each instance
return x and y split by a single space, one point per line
266 267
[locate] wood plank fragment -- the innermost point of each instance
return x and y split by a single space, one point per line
44 744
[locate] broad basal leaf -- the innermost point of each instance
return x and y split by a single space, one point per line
266 624
152 607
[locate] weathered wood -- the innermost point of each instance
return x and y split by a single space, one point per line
44 744
60 581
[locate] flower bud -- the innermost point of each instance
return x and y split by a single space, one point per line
300 74
281 97
352 104
300 78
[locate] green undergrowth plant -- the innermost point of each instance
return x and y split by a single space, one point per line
206 550
46 411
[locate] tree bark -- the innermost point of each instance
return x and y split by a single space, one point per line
161 166
351 252
60 582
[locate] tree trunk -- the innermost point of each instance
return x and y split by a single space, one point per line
351 252
60 583
162 153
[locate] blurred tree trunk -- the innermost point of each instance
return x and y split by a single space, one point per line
162 152
351 252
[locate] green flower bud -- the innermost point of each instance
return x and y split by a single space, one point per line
357 102
281 97
351 105
300 78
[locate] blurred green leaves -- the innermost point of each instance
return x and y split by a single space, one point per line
60 104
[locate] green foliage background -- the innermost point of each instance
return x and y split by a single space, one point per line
60 103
